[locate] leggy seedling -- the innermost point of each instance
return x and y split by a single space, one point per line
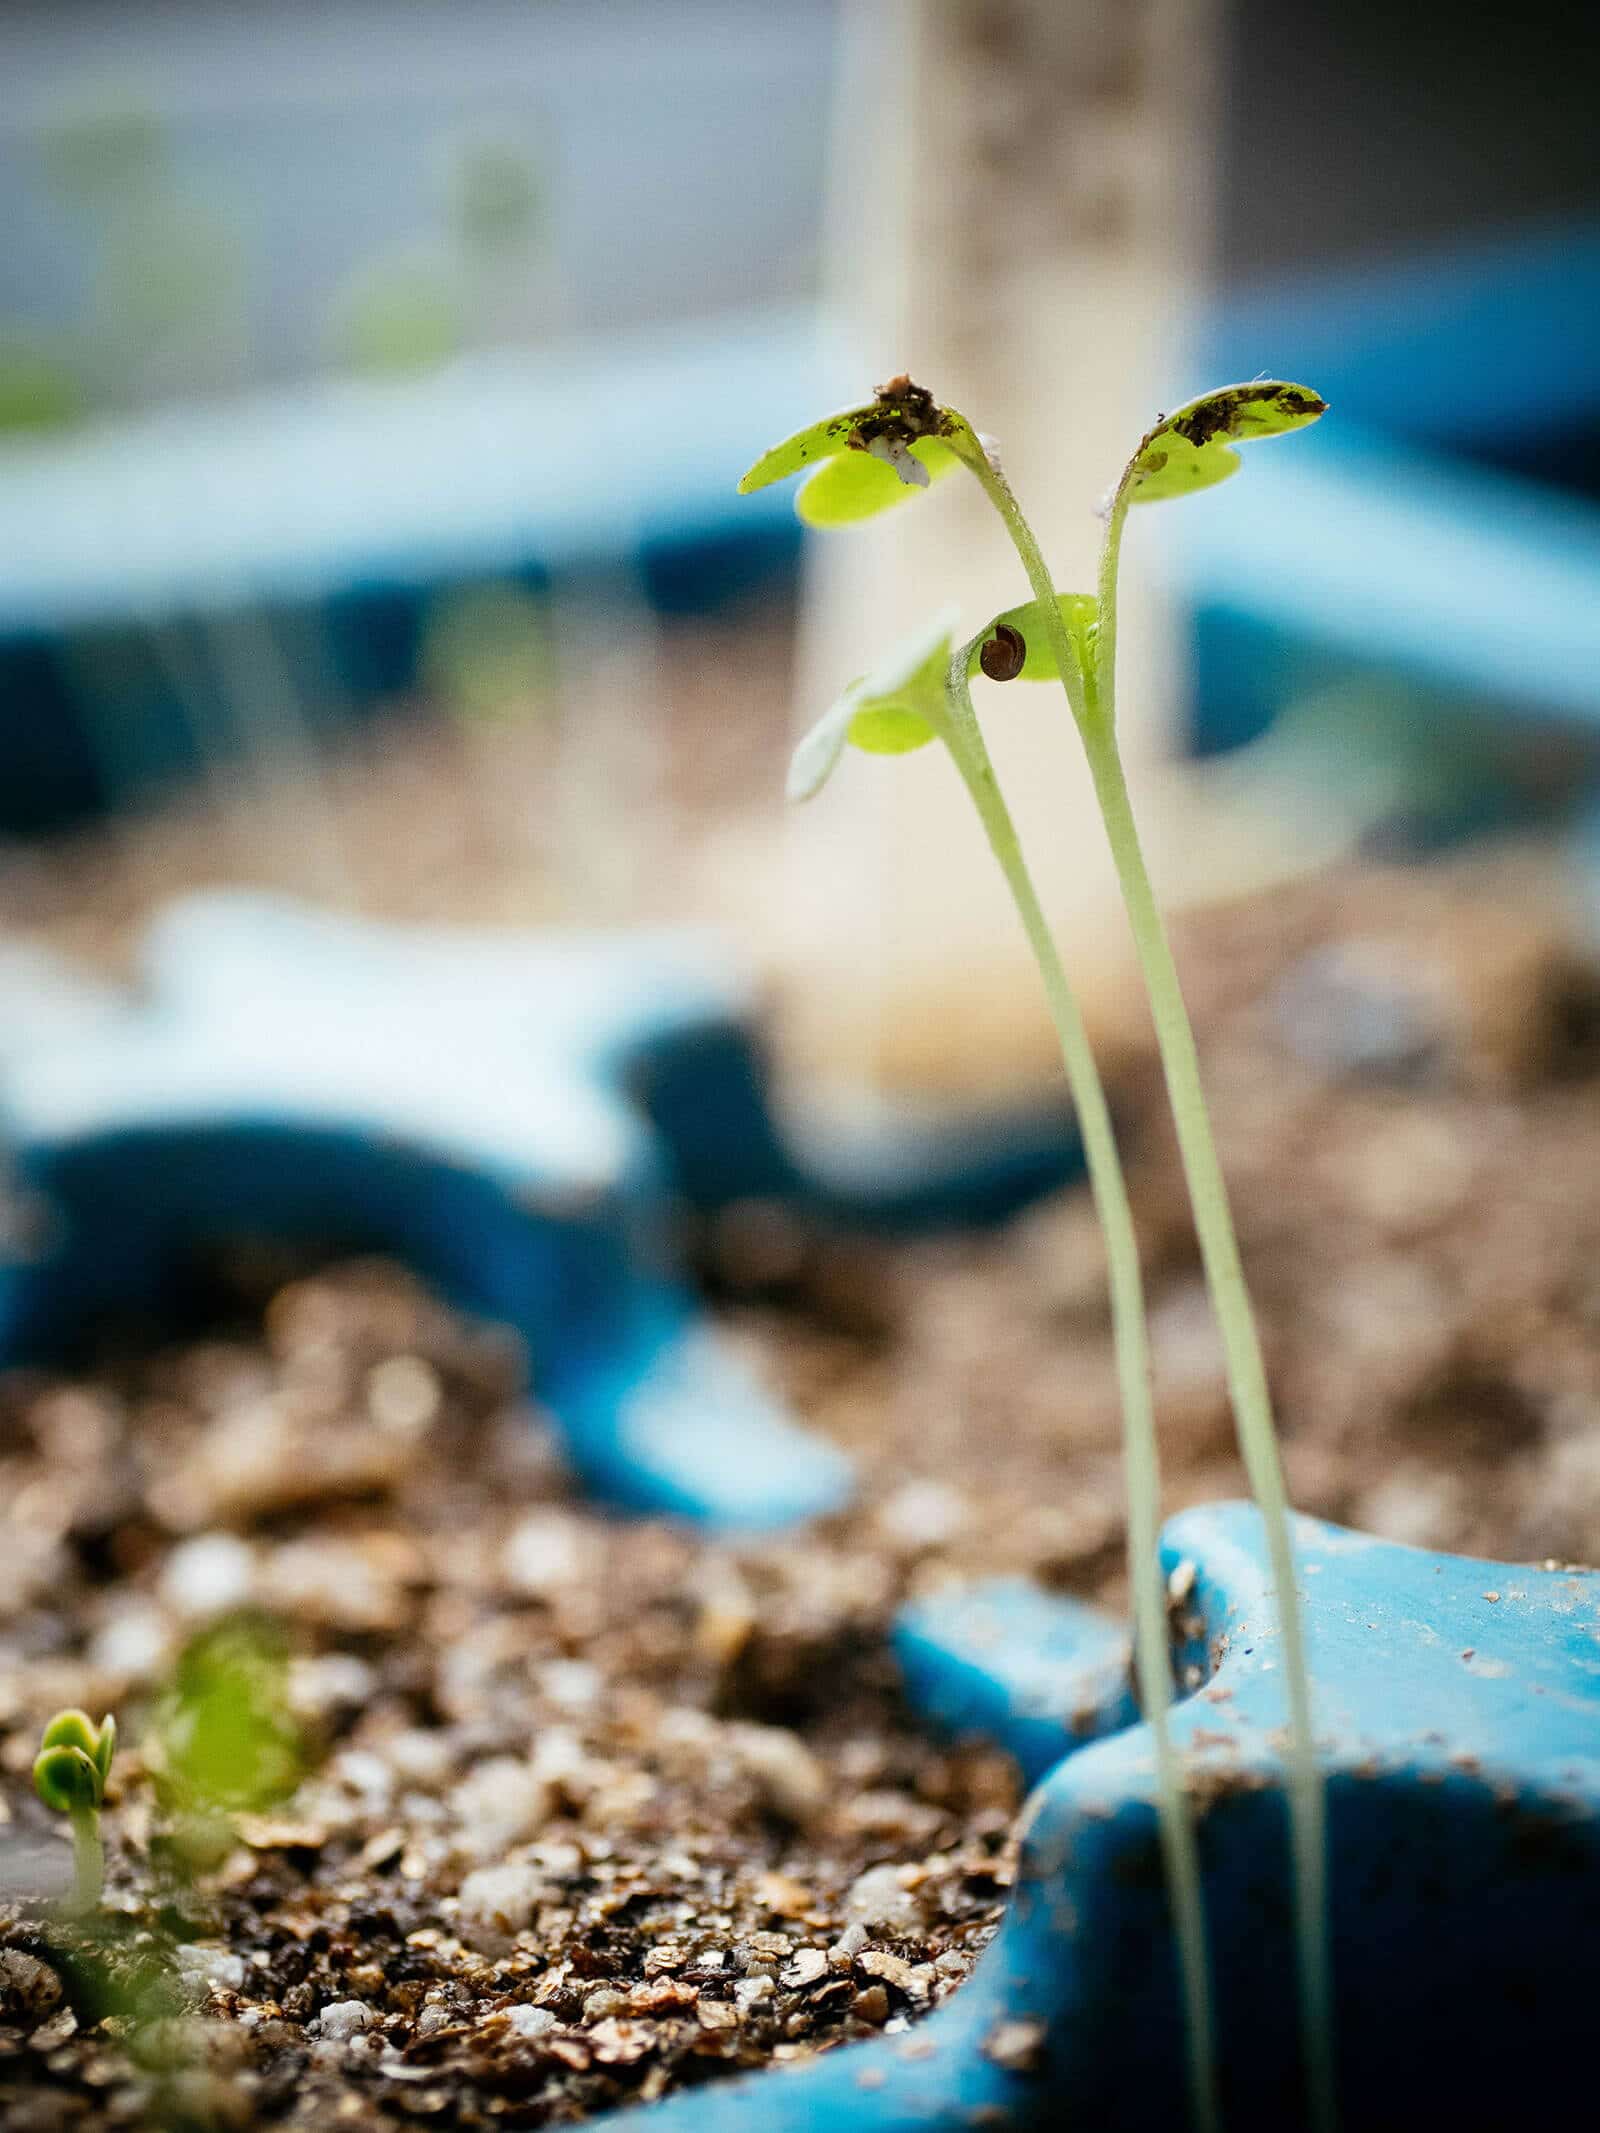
69 1775
860 462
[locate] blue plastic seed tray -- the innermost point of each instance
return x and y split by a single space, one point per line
522 1119
1458 1715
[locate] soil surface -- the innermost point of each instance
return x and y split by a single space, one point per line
596 1809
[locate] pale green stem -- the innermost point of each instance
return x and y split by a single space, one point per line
1130 1337
88 1859
1247 1384
1102 683
1093 702
1000 494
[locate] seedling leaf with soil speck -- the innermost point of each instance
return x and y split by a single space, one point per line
69 1775
1192 448
805 450
868 459
861 484
1073 637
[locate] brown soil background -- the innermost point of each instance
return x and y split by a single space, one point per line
600 1808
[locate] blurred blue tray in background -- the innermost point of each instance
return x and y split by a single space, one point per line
524 1119
1432 555
340 511
1436 548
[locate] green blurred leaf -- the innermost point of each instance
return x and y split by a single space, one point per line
398 316
1078 611
1192 448
488 653
101 154
494 197
38 391
858 485
108 1973
168 272
224 1732
895 708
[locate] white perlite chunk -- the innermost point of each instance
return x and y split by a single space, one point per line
203 1967
500 1803
499 1902
546 1555
344 2019
923 1514
207 1575
132 1644
531 2021
879 1898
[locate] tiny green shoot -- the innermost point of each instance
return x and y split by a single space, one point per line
881 454
69 1775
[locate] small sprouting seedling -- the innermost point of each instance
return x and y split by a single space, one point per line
874 457
69 1775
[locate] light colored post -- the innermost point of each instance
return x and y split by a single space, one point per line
1021 212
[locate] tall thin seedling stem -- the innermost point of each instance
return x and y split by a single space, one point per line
1130 1336
1091 693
